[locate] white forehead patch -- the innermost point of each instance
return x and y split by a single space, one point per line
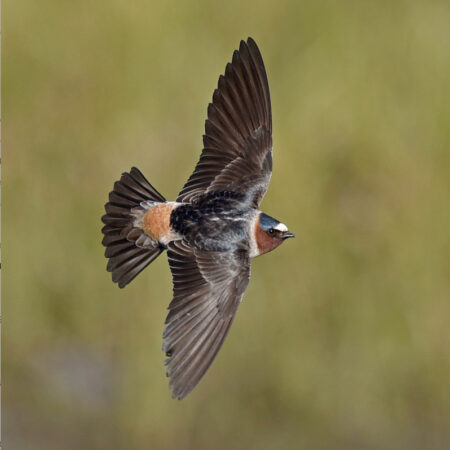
281 227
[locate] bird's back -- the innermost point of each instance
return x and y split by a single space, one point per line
218 221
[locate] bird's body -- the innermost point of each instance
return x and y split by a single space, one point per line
212 229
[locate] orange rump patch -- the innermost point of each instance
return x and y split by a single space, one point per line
156 222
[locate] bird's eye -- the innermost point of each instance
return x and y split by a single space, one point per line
271 231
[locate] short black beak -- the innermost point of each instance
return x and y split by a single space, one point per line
287 234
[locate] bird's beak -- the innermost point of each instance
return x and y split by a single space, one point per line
287 234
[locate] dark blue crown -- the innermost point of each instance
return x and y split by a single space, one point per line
266 222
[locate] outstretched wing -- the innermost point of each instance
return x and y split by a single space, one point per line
237 153
207 290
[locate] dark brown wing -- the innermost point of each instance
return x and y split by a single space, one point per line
207 289
237 153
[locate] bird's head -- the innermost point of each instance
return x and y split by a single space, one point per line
269 233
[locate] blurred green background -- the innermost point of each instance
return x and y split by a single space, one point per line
342 339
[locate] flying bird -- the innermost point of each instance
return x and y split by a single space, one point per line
213 228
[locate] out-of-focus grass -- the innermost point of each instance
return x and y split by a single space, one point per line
342 338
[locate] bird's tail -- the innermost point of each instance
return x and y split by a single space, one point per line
128 248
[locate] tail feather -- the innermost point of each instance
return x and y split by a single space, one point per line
134 265
129 250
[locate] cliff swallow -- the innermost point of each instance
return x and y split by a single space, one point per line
213 228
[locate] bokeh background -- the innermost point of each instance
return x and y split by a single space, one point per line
342 340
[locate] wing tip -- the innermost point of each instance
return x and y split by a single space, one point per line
251 43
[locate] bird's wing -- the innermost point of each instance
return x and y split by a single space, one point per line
207 290
237 153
